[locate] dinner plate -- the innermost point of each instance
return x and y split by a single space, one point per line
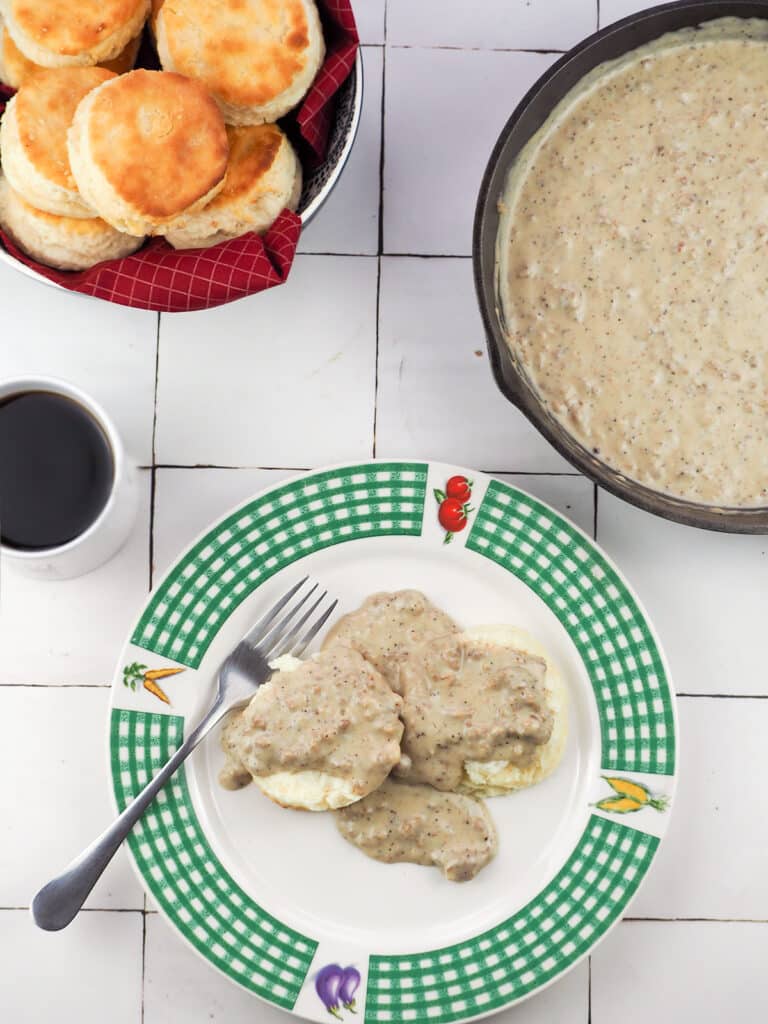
276 899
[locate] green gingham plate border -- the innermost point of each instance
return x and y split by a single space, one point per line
633 697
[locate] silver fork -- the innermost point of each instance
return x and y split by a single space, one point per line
246 668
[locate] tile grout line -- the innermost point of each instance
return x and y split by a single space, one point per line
380 246
624 920
694 920
472 49
143 956
594 521
430 255
152 503
566 474
86 910
376 366
153 483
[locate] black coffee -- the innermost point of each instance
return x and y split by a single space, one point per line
56 470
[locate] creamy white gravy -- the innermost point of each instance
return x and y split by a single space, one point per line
387 627
418 824
469 701
633 256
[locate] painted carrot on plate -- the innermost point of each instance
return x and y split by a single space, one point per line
135 672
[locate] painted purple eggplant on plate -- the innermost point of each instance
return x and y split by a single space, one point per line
336 986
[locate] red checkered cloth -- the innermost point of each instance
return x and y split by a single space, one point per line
162 279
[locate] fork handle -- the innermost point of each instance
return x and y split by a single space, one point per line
58 902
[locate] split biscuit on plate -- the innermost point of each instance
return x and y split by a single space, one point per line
501 722
147 147
257 58
319 735
65 243
15 68
57 33
496 778
33 138
263 178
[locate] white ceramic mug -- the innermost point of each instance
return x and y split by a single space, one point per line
111 529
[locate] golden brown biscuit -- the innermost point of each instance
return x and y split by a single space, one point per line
263 178
62 33
15 69
66 243
33 138
155 6
146 147
257 58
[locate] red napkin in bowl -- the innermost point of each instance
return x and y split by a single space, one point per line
162 279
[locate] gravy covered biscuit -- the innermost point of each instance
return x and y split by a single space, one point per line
316 737
480 714
258 58
55 33
388 626
65 243
263 178
33 138
147 147
496 777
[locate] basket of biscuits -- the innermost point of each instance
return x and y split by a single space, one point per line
165 155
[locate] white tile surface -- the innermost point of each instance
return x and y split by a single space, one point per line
492 24
71 631
188 501
690 577
612 10
712 862
180 988
108 351
88 974
349 220
683 972
438 140
232 380
436 396
369 15
53 745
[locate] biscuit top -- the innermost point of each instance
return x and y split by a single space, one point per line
246 51
71 27
45 107
159 139
18 68
252 152
15 65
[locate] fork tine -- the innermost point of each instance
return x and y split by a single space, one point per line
285 644
275 633
259 630
312 632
